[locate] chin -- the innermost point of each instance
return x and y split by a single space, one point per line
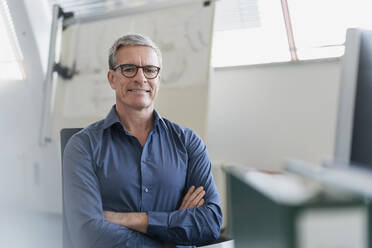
136 104
141 106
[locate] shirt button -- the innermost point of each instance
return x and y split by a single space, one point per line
146 190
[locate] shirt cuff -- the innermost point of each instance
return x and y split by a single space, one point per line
158 224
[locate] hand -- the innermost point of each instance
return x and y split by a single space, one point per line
193 198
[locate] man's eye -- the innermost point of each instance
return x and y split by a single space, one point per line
130 69
150 70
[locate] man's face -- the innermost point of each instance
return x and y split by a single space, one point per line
138 92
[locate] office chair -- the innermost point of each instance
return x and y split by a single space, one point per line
66 134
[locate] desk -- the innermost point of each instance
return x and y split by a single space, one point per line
263 208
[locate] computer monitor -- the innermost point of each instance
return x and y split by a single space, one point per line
354 123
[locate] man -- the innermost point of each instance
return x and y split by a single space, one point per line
136 179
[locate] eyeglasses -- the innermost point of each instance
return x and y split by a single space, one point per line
130 70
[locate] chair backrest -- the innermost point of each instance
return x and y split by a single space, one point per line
66 134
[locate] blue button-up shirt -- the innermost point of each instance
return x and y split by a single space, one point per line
106 168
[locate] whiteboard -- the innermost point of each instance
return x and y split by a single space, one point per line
183 34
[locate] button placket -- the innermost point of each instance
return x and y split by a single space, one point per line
146 175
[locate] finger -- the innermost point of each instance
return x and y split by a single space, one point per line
201 202
186 197
191 197
198 198
189 192
190 201
196 192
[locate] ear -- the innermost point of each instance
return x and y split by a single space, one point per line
110 78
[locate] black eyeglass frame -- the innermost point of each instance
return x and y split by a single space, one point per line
137 67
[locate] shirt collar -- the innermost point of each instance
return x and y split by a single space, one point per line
112 118
158 119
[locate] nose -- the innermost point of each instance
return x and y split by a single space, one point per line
140 76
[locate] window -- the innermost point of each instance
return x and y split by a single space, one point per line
10 54
319 27
244 32
254 31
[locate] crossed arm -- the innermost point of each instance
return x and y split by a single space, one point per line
138 221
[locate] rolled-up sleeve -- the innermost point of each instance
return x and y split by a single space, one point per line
192 226
82 203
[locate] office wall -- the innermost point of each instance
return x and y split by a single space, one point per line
260 115
30 177
30 180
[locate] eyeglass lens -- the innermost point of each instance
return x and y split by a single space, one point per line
130 71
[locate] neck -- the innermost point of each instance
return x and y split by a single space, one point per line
136 121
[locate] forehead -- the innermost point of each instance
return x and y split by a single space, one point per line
139 55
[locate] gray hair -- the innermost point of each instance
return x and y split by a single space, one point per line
131 40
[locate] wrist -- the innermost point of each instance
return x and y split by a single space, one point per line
135 221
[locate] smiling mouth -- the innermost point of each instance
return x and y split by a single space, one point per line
139 91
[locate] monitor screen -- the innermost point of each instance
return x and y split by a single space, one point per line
354 123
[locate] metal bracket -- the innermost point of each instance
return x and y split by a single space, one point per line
64 71
63 14
206 3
